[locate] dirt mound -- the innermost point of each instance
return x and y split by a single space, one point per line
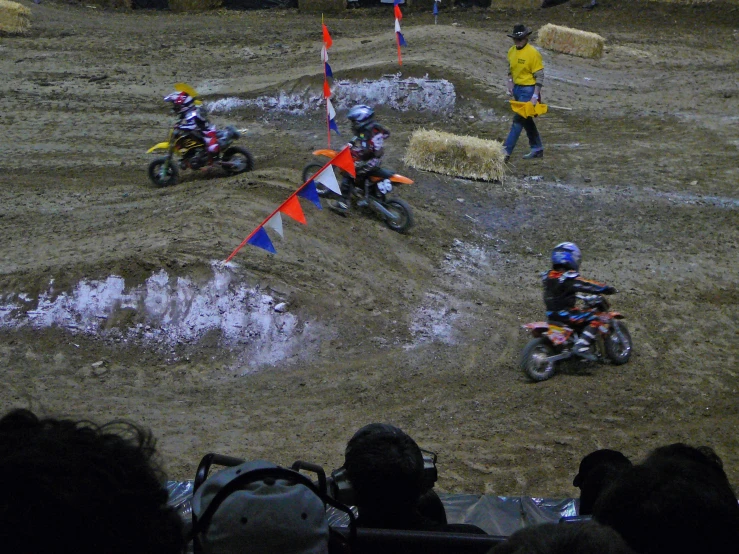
112 303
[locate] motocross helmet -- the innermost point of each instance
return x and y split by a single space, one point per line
567 255
362 117
181 102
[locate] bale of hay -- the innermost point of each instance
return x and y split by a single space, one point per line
194 5
15 19
459 156
322 6
571 41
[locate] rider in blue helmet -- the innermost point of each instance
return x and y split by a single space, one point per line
366 148
561 285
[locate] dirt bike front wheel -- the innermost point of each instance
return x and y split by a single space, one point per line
403 215
534 361
618 343
237 160
310 170
160 176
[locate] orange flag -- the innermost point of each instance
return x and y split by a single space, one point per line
292 208
326 89
345 161
326 37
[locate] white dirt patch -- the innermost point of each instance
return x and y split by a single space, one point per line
416 94
168 311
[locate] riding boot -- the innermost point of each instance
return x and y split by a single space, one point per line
582 346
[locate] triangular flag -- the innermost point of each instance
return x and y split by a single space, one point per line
401 39
329 73
398 13
328 179
345 161
275 222
331 110
326 36
292 208
397 26
326 90
260 238
332 125
309 192
324 54
436 8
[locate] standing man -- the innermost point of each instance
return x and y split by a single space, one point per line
525 78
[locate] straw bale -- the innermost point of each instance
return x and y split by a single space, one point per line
571 41
194 5
460 156
15 18
322 6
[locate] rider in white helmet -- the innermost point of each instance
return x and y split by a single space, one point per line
366 147
561 285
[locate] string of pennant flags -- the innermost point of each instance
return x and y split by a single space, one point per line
292 208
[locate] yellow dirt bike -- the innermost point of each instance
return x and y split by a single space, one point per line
184 151
396 213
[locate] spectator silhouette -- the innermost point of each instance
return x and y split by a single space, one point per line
73 486
678 500
598 470
564 538
386 469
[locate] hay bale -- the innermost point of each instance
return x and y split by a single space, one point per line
571 41
15 19
194 5
459 156
322 6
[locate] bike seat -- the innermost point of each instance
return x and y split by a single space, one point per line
380 173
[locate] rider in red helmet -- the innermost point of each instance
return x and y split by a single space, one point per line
561 285
193 120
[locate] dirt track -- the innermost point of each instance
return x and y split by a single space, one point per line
421 330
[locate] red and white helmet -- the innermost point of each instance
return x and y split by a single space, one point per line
181 102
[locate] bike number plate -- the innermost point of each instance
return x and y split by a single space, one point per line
557 334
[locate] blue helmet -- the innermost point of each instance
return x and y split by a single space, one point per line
361 117
567 255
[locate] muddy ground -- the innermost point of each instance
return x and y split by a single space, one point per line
421 330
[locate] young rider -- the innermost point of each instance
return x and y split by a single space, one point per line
366 148
193 120
561 285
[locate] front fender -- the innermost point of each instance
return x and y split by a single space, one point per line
158 146
325 152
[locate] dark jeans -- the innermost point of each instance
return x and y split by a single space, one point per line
523 94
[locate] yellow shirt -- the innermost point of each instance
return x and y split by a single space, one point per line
524 63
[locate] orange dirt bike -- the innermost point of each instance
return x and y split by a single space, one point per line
396 213
184 151
554 341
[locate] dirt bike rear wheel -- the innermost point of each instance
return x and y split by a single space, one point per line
156 176
404 221
237 160
532 360
618 343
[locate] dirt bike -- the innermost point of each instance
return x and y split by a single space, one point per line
184 151
554 341
396 213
